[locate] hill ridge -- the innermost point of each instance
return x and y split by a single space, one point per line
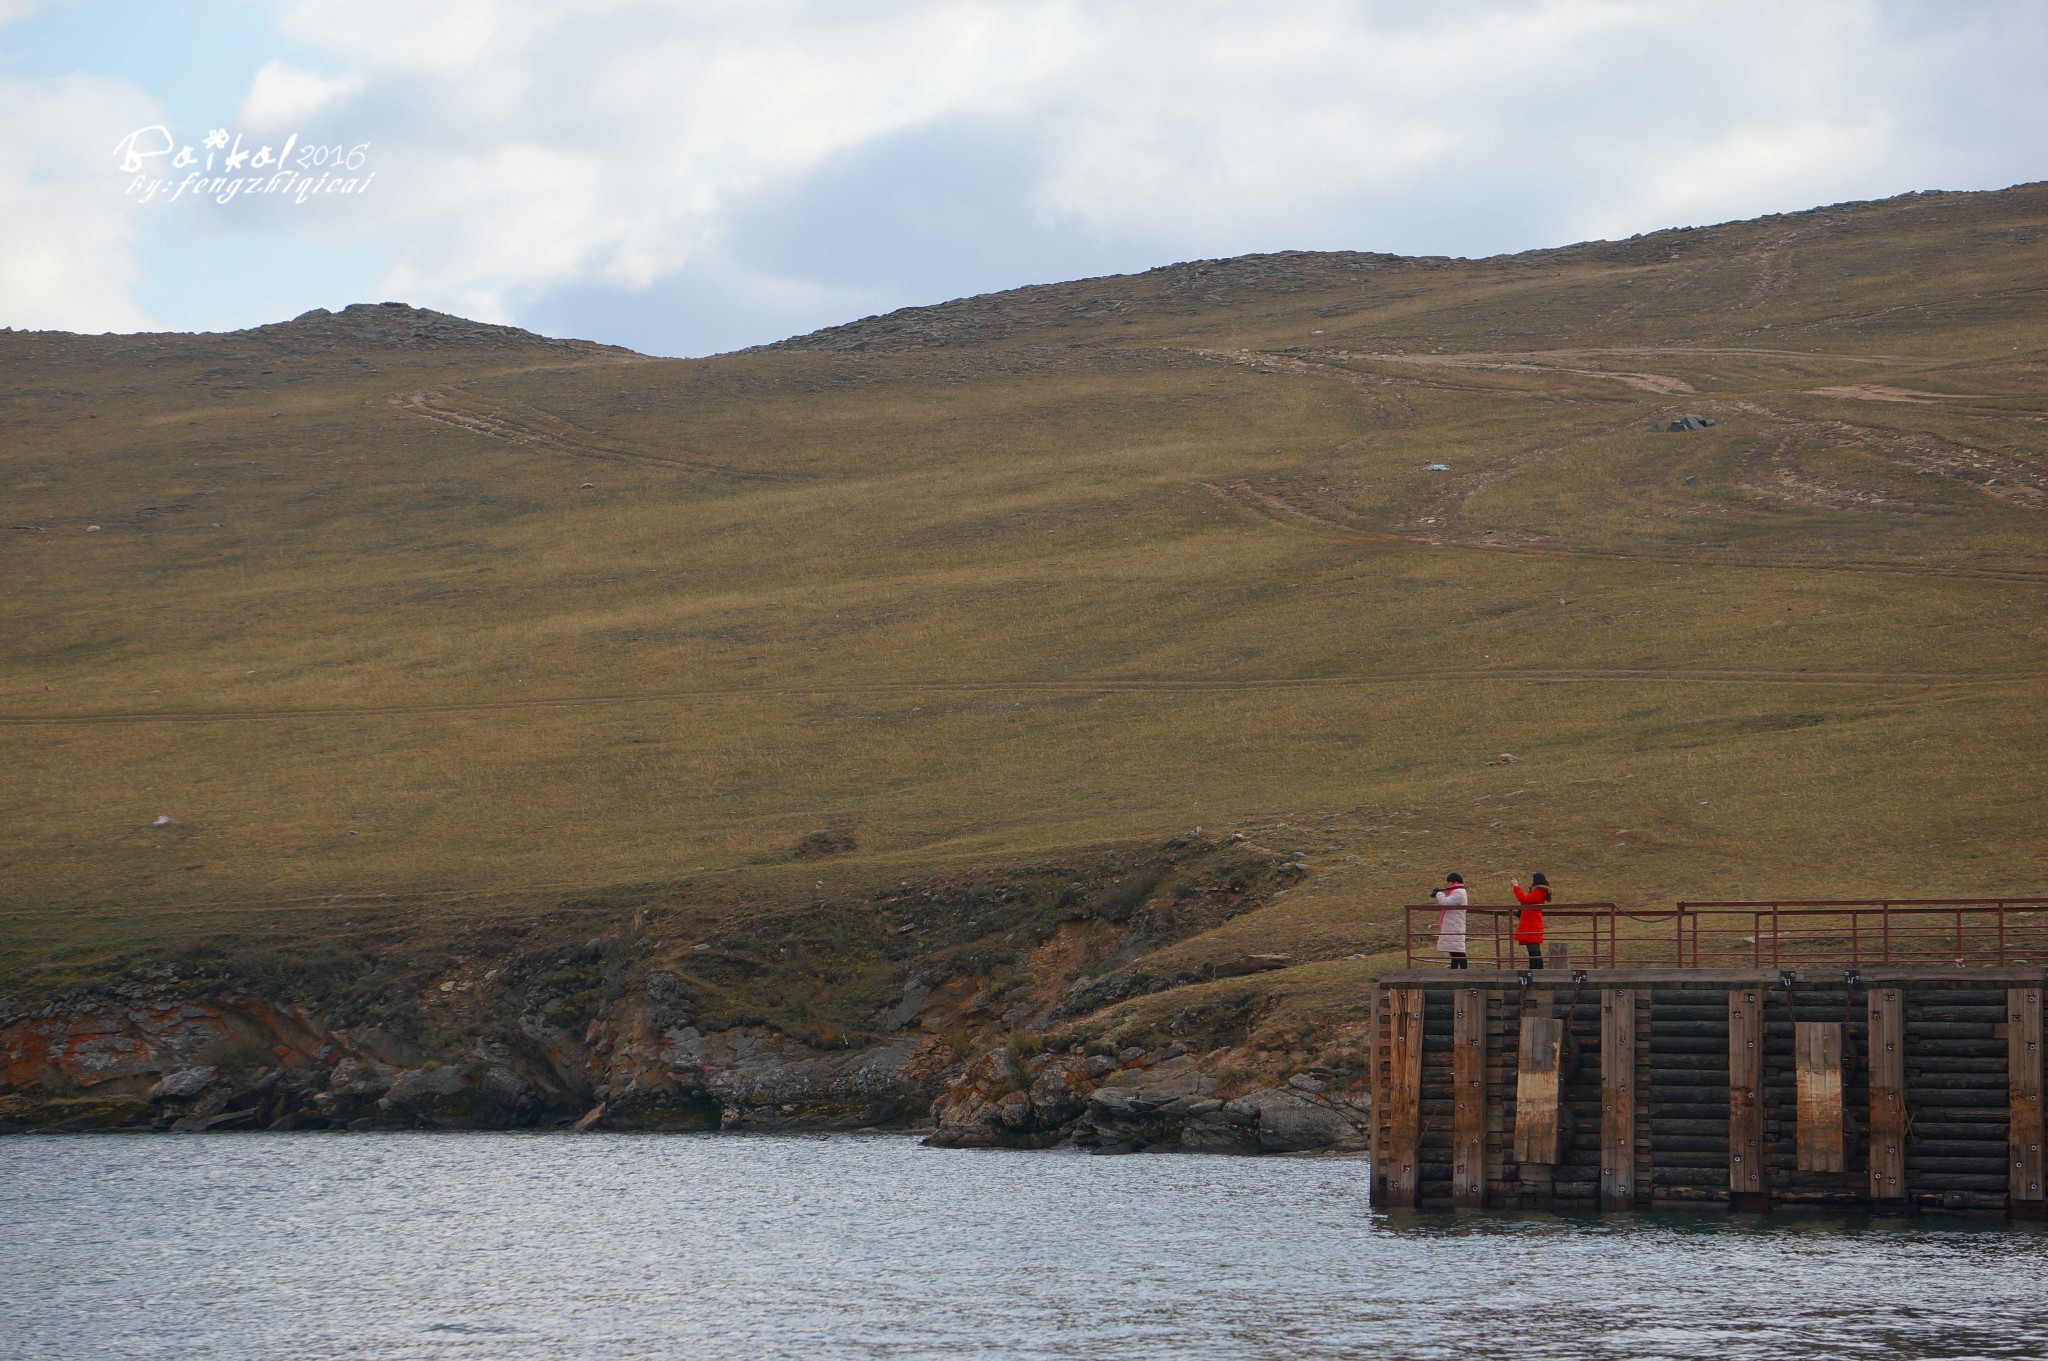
1278 273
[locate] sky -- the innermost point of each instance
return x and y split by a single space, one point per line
687 178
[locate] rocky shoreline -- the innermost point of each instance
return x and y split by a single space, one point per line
1136 1102
1000 1010
138 1068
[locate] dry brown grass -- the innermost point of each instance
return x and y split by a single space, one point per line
1078 586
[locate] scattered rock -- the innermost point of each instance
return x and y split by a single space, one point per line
821 844
420 1090
204 1124
1289 1122
182 1085
1248 964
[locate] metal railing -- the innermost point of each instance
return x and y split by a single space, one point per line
1832 932
1962 932
1590 931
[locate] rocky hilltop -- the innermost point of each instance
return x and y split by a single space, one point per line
397 325
1337 284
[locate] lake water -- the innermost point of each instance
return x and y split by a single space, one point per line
508 1246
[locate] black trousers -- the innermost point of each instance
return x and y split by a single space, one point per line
1458 959
1535 954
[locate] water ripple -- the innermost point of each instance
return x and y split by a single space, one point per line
624 1247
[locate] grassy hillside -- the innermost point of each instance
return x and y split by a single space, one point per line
385 603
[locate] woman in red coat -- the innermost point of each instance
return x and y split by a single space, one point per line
1529 922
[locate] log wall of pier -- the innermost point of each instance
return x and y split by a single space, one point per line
1711 1089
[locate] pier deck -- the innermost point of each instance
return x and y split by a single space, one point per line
1854 1086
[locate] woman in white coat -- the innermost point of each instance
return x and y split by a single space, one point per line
1450 922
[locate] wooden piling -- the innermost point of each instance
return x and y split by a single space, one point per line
1745 1098
2023 1123
1817 1066
1404 1098
1923 1089
1468 1099
1887 1011
1536 1123
1617 1098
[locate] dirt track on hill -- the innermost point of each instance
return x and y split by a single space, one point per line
1153 686
1274 509
516 423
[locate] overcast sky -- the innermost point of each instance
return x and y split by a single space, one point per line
686 178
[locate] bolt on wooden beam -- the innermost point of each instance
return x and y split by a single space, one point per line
1887 1044
2023 1137
1745 1098
1617 1098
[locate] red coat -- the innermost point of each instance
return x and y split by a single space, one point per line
1529 922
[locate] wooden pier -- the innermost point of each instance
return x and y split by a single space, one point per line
1855 1086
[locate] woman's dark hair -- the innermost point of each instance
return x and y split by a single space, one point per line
1454 878
1537 878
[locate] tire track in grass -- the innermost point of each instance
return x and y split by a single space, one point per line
1056 688
516 423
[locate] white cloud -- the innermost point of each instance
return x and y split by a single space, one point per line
524 146
67 232
525 149
284 95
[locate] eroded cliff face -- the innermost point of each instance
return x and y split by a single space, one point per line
985 1005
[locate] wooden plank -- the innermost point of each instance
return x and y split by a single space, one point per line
1617 1098
1468 1098
1645 1135
1887 1010
1376 1072
1404 1097
1817 1067
2023 1064
1536 1090
1745 1096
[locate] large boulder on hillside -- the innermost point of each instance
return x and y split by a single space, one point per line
1288 1120
471 1096
183 1085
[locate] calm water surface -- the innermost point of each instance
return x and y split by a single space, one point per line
527 1246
